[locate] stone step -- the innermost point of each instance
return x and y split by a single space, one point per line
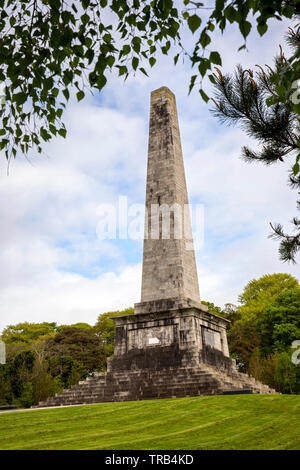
139 385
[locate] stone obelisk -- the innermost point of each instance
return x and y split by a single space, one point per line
169 278
172 346
169 266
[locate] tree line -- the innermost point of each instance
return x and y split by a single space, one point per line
44 358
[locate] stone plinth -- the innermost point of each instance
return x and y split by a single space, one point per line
170 338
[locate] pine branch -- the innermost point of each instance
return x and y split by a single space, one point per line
253 103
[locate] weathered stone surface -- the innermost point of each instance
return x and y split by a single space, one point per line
167 382
163 305
169 267
175 337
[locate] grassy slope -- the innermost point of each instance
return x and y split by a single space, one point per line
220 422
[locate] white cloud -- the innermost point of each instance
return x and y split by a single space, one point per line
49 219
68 298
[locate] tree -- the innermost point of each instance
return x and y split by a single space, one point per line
267 286
212 308
26 399
50 47
243 340
281 321
263 328
28 332
259 293
20 369
43 358
6 394
260 104
231 312
276 370
251 328
79 345
83 326
287 374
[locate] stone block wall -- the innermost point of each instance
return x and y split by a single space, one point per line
169 266
174 337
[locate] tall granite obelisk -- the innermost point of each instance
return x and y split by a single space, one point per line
170 326
169 266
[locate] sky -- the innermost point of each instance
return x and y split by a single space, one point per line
54 266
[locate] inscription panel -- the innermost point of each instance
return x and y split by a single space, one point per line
149 337
212 338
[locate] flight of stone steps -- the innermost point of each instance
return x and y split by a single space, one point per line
150 384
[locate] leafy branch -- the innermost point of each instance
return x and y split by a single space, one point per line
48 48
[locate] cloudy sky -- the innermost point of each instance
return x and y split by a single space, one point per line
55 268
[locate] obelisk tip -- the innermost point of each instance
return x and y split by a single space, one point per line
162 91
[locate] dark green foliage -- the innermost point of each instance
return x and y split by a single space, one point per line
287 374
23 360
243 340
43 358
6 394
277 370
105 329
51 49
26 399
20 370
265 105
241 99
63 366
264 328
77 345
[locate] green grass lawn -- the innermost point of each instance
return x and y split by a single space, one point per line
219 422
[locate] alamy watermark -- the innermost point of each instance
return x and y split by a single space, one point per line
157 222
2 352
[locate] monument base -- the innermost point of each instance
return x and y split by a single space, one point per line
158 339
164 354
